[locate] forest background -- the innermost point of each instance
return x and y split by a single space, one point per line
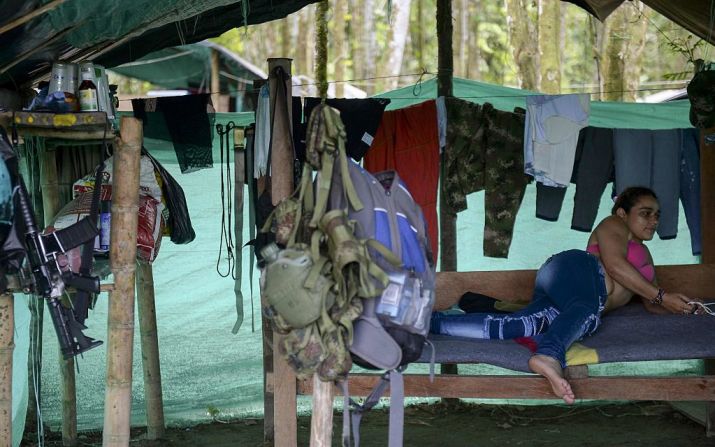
544 45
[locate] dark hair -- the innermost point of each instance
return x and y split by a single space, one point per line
630 197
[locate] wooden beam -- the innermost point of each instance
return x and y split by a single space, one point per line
516 286
685 388
321 421
286 425
30 15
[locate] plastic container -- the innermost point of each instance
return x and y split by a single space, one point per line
87 91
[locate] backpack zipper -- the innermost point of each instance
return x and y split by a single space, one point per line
396 242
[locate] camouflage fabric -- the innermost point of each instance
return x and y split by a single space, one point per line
314 286
485 151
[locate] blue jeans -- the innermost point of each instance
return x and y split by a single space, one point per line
568 299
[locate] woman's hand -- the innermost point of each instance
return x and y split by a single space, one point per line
677 303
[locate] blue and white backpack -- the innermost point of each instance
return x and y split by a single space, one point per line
392 329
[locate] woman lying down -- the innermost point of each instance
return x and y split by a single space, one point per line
575 288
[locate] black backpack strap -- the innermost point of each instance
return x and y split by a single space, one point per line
81 301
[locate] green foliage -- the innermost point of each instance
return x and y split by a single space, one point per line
667 57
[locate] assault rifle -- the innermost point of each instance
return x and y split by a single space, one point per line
48 280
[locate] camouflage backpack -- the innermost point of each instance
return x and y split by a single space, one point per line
314 287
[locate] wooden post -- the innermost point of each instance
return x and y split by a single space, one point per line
49 184
150 352
321 421
281 153
707 218
7 345
122 252
447 217
284 384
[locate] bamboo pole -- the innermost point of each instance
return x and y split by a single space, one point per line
284 385
49 185
122 252
321 421
150 352
7 345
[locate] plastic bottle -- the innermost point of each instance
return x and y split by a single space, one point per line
105 223
87 90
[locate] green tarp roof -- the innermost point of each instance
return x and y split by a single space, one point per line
623 115
112 32
189 66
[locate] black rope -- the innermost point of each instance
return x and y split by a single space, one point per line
226 202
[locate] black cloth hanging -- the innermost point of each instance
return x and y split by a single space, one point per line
183 120
361 118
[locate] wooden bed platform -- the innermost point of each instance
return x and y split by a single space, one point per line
516 286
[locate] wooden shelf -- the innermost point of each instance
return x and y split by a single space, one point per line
75 126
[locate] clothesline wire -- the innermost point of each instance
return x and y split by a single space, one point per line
653 89
308 84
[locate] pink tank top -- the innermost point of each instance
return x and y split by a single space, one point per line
637 256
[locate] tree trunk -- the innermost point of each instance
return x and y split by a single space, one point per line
637 27
462 32
419 41
523 38
396 49
550 46
613 69
339 41
307 26
369 45
598 44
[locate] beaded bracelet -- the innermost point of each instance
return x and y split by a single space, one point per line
658 298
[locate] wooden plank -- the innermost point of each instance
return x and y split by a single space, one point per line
54 120
683 388
516 286
321 421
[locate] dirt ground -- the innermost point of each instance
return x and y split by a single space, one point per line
439 425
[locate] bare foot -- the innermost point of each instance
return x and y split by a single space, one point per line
550 368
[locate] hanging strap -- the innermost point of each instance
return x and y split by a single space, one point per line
80 303
397 408
226 202
250 155
239 177
353 412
